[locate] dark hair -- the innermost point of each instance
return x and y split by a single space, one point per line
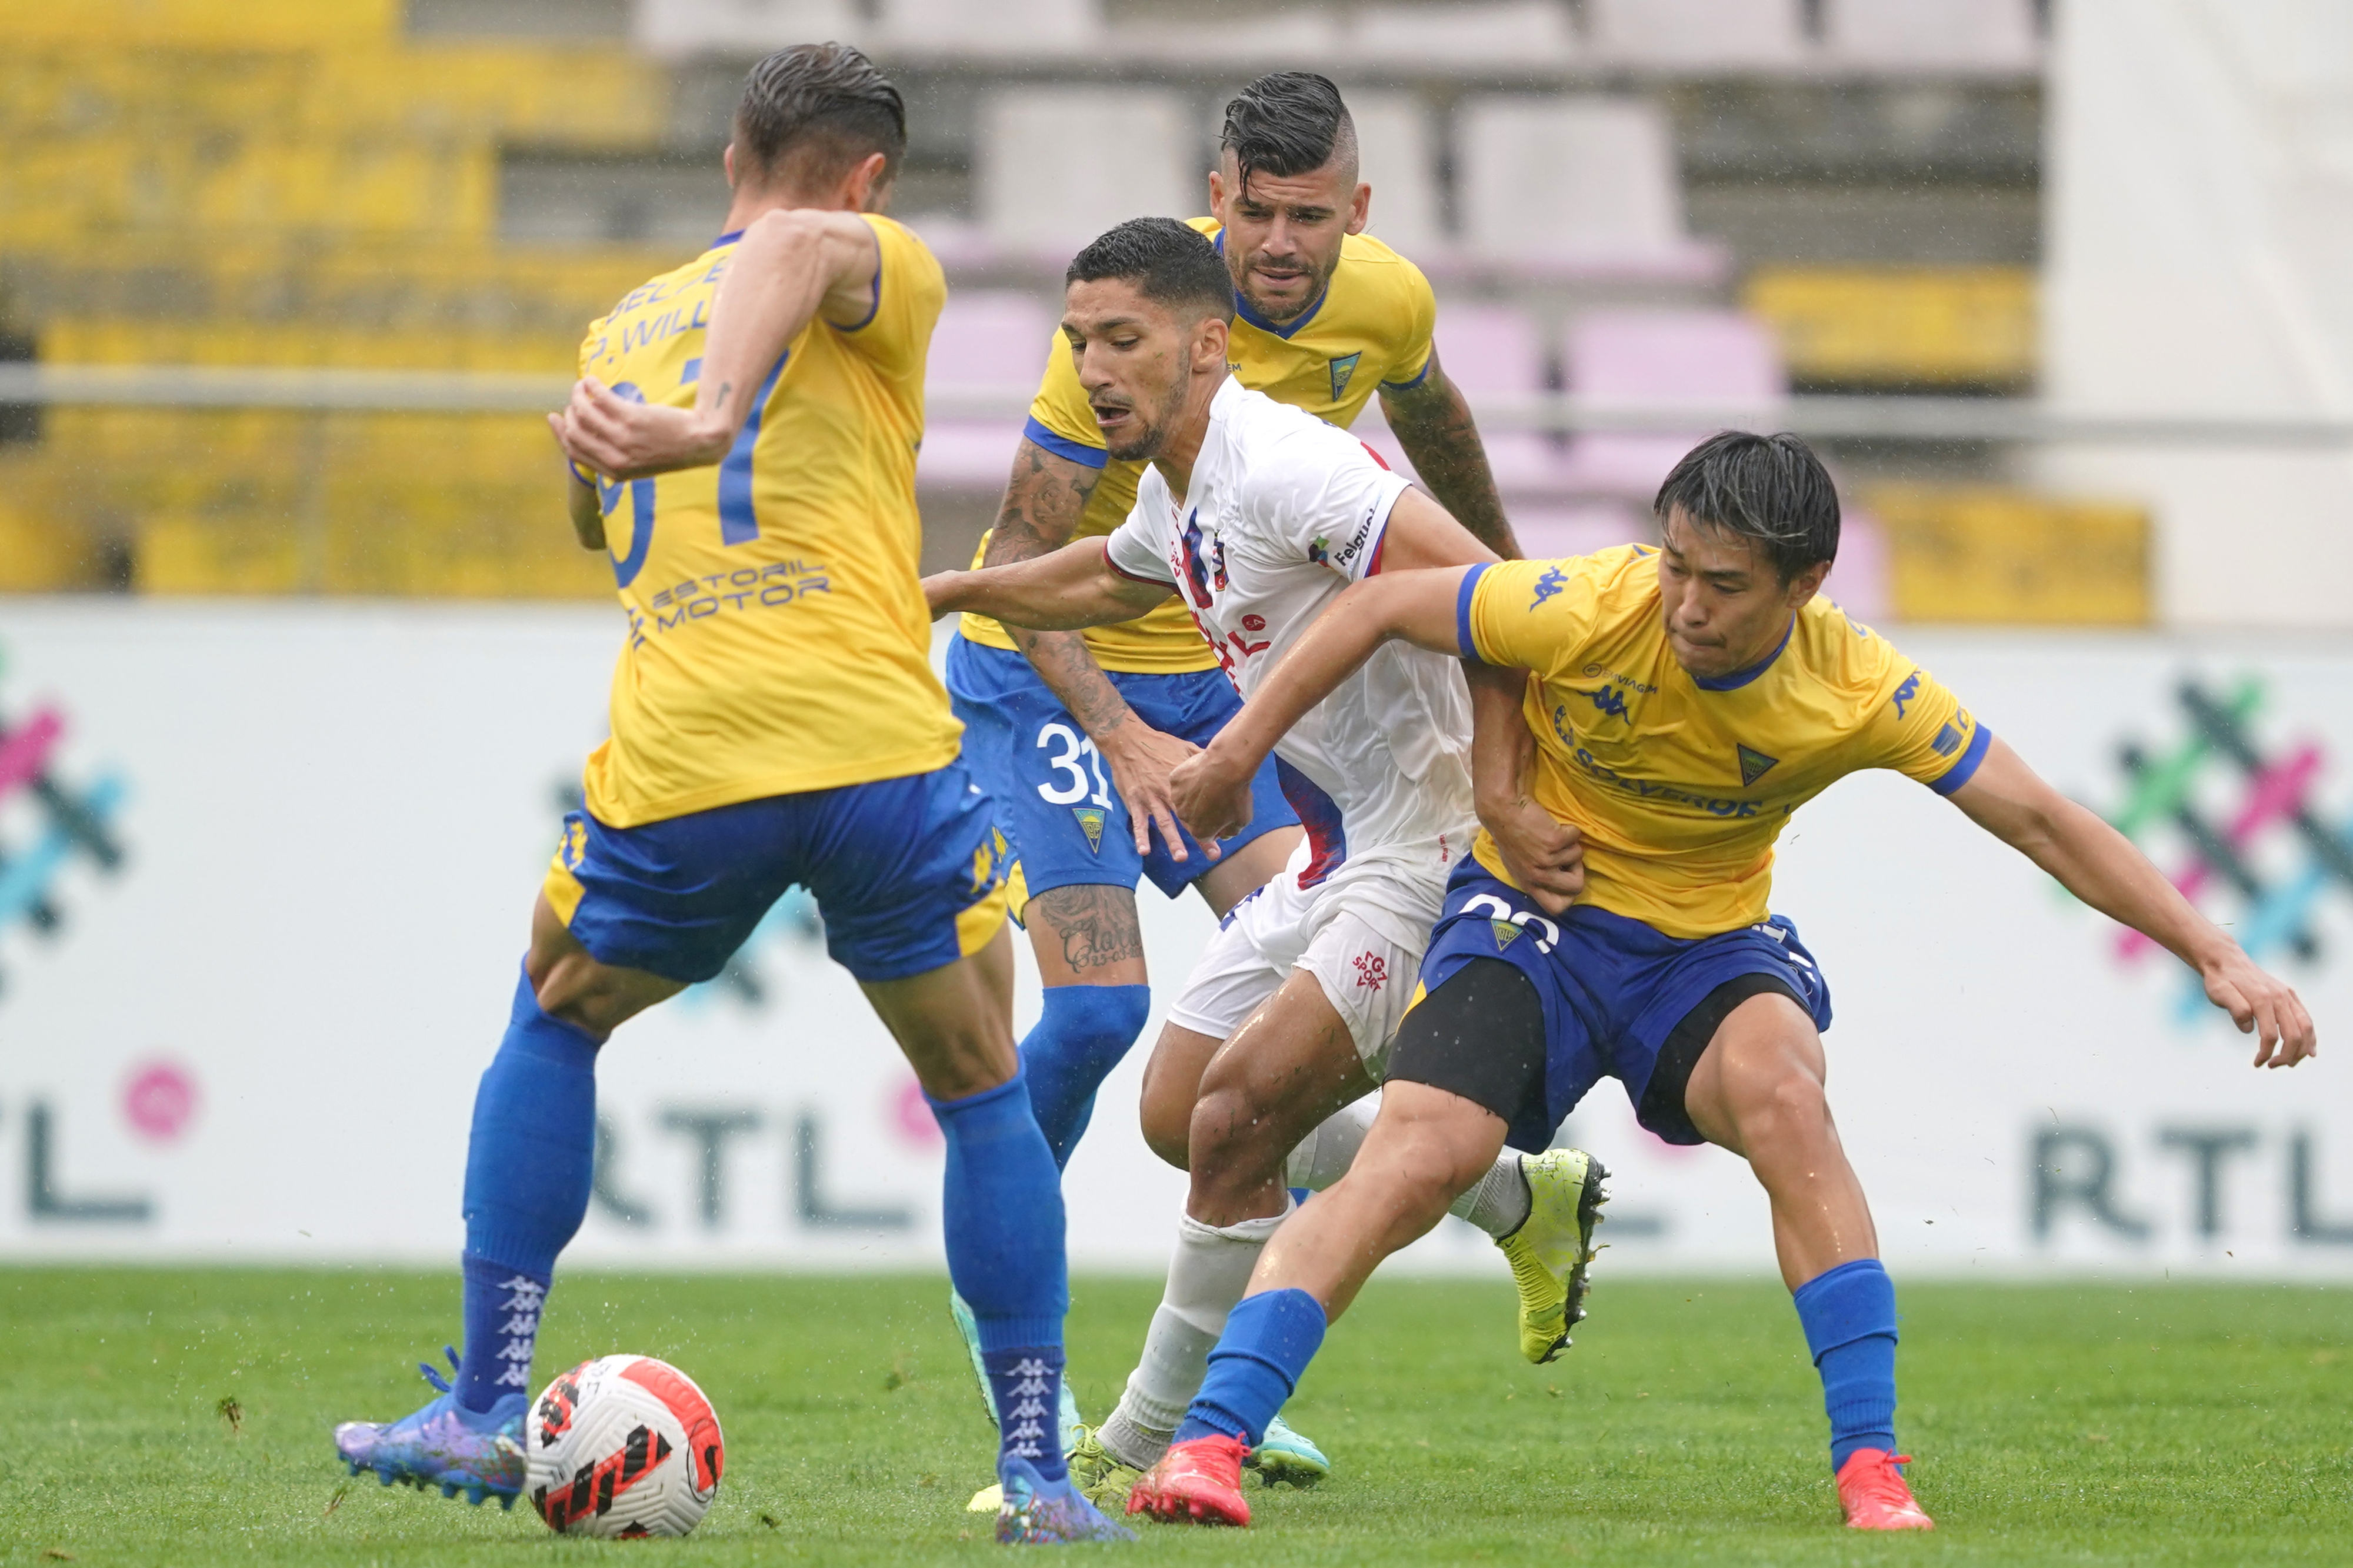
1769 489
824 105
1286 122
1169 263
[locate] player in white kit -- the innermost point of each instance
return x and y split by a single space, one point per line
1256 515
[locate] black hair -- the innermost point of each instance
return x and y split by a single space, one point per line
1769 489
823 106
1169 263
1286 123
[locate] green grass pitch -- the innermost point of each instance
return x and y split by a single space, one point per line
2158 1424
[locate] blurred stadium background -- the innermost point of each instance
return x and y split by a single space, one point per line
292 691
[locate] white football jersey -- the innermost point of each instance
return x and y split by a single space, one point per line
1283 513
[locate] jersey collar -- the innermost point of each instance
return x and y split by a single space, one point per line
1740 678
1243 306
730 238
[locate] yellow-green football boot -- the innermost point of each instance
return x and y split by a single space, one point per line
1551 1253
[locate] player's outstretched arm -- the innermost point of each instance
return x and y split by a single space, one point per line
1433 422
1544 855
1060 590
2101 866
791 266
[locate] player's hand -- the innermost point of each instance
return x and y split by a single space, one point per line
2262 1005
1544 857
1142 761
605 432
1211 795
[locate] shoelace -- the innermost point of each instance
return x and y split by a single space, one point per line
435 1378
1884 1483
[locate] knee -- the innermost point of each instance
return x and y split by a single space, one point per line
1229 1141
1786 1106
1167 1130
1095 1022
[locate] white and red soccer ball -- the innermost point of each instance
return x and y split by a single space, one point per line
622 1446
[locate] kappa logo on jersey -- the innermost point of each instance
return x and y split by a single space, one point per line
1906 692
1091 823
1372 971
1754 764
1343 370
1610 701
1551 583
1510 924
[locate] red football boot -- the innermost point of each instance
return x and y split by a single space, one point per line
1195 1482
1871 1492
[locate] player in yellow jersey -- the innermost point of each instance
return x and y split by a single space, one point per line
1679 705
775 721
1073 732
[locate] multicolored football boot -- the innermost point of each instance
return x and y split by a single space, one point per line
1286 1458
1039 1513
1551 1253
1874 1495
1195 1482
444 1445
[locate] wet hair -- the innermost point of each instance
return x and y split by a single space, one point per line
1170 264
1287 123
1769 490
820 108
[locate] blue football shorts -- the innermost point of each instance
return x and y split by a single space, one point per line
1612 990
908 873
1054 798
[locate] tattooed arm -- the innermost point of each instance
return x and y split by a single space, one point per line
1433 424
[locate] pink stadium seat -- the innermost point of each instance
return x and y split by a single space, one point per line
1549 530
1498 351
1701 32
1860 584
1717 358
1933 35
989 345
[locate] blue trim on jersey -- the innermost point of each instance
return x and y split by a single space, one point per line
738 523
1419 376
1462 612
1960 773
1243 306
1740 678
1327 835
641 532
730 238
1063 446
872 309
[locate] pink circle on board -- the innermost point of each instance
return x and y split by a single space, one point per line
913 1113
159 1100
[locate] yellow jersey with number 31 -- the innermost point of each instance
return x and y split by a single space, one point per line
1370 328
1680 783
777 638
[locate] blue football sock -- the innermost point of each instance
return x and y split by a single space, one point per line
528 1169
1002 1213
1078 1039
1270 1338
1849 1314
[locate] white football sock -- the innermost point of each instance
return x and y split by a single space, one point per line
1210 1270
1499 1204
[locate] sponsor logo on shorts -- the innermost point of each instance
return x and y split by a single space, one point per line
1372 971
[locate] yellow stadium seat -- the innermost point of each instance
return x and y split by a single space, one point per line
1870 327
2005 557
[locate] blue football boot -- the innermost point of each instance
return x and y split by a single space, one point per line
443 1444
1039 1513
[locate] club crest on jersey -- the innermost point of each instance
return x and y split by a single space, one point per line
1091 823
1754 764
1344 370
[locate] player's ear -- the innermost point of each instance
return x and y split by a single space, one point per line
1360 208
1218 196
1210 344
1807 583
727 162
869 186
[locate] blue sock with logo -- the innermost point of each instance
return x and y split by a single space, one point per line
1002 1213
529 1165
1848 1315
1256 1365
1082 1034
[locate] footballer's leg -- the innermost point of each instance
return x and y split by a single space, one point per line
1757 1090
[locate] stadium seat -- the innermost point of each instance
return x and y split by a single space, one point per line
1979 553
1933 35
1700 33
1717 358
1055 166
991 344
999 27
680 27
1547 530
1393 144
1512 32
1493 352
1576 185
1891 327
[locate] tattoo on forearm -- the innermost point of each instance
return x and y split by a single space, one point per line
1096 925
1434 425
1040 510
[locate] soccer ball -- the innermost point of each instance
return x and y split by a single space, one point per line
622 1446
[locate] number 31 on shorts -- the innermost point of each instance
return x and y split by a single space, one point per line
1077 755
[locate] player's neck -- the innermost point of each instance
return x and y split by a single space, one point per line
752 204
1176 459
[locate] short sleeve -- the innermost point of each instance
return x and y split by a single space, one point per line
904 304
1921 730
1060 419
1410 366
1135 550
1321 494
1531 614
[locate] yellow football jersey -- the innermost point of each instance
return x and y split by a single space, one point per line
777 639
1679 785
1370 328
